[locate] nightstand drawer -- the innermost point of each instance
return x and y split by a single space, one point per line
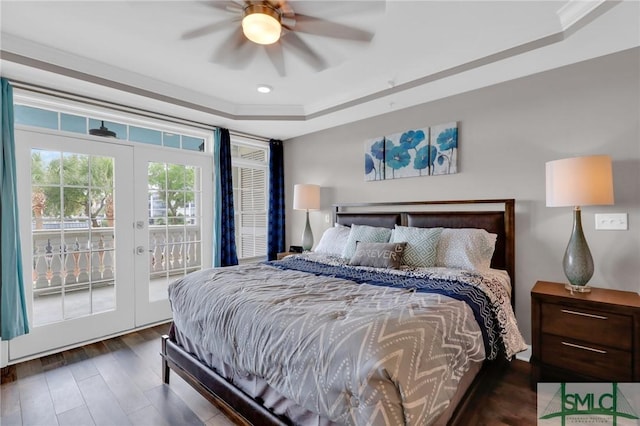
583 358
601 328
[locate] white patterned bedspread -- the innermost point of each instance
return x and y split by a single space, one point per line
354 353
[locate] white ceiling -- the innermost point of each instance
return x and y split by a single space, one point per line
132 52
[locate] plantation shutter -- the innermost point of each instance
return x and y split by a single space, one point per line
251 186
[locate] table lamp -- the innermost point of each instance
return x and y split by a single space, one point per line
579 181
306 197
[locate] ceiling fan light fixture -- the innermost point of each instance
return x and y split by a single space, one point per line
261 24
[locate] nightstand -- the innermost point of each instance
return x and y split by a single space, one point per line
284 254
580 337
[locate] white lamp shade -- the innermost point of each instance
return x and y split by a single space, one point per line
306 197
580 181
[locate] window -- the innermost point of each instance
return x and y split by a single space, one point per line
250 159
250 162
27 113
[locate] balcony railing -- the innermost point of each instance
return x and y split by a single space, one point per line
75 258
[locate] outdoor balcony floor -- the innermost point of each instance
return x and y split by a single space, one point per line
78 303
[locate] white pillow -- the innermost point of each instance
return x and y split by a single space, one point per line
465 248
366 234
333 240
421 245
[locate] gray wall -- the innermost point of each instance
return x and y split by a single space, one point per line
506 134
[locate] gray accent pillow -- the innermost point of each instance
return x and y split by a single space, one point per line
378 255
364 233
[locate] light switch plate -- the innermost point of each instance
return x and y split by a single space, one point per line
611 221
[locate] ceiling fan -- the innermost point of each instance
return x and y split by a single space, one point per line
273 25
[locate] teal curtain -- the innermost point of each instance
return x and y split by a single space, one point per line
13 308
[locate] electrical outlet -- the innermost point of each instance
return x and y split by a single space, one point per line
612 221
327 218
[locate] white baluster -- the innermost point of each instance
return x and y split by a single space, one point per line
83 273
56 271
189 250
179 249
48 249
41 272
177 255
70 266
169 251
107 273
196 251
164 253
95 266
101 254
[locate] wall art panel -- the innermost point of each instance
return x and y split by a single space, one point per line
412 153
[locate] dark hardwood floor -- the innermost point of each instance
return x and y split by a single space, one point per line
509 402
118 382
114 382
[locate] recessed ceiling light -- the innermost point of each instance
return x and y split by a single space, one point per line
263 88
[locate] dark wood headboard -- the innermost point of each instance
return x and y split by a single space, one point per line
496 216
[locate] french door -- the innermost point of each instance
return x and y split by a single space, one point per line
172 216
105 227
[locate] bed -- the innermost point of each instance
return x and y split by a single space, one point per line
323 339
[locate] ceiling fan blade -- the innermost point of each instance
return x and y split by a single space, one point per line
208 29
340 8
276 55
302 49
283 6
318 26
235 51
231 6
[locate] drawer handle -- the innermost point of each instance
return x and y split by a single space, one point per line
586 348
566 311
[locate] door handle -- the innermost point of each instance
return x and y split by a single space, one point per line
140 250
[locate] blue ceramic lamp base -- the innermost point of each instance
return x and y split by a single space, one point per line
577 262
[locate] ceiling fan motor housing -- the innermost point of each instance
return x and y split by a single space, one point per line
262 23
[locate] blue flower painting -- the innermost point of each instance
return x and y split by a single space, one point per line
405 154
444 139
417 152
374 159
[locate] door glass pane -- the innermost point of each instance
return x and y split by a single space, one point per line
174 224
73 235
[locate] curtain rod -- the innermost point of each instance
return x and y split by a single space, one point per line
124 108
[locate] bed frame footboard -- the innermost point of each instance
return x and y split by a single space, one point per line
244 410
237 405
